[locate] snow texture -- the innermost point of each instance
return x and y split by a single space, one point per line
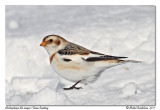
115 30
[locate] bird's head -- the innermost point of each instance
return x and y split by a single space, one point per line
53 43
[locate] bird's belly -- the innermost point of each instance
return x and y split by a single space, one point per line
75 72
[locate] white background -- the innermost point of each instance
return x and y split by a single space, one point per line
70 2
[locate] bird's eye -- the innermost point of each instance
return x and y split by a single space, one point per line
50 40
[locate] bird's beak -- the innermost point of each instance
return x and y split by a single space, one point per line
43 44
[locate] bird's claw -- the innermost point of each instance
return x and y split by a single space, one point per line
72 88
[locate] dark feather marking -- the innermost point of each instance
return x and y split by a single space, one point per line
102 58
52 35
67 60
83 58
96 53
112 57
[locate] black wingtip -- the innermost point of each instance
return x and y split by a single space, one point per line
105 57
112 57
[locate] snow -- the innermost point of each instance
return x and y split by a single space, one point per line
114 30
13 25
129 89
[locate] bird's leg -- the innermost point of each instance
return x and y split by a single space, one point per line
74 86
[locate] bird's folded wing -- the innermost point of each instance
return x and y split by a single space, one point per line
74 49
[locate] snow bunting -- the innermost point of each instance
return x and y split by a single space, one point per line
76 63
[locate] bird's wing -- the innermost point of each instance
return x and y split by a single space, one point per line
71 49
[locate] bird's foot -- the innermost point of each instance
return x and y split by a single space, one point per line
72 88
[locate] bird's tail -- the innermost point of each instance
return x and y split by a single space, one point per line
132 61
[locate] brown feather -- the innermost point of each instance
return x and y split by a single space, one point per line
57 42
51 58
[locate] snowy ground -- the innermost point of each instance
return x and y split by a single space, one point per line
114 30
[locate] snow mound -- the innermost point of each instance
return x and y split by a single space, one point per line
47 96
129 89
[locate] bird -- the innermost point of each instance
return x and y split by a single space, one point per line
77 63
